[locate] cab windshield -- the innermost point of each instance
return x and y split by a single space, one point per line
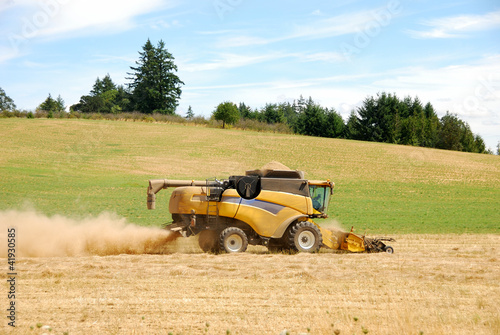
320 196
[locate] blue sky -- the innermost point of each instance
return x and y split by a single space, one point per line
257 52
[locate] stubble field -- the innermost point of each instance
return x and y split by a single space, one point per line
433 284
84 272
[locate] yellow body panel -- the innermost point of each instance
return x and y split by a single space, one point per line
264 214
262 221
297 202
186 199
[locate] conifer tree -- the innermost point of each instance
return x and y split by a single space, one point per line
155 86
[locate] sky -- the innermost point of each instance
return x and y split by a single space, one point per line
337 52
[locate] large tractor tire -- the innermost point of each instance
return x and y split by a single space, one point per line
208 240
304 236
233 239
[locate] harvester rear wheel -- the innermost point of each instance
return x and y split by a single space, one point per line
208 240
233 239
304 236
389 250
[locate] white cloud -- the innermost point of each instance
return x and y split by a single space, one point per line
7 53
229 61
163 24
102 58
457 26
338 25
331 57
334 26
54 19
59 17
216 32
450 87
6 4
242 41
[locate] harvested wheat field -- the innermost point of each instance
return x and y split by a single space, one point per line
432 284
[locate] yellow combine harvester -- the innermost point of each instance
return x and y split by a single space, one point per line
269 207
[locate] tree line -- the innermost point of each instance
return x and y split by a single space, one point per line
154 88
382 118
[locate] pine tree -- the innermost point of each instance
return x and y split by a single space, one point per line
272 114
102 86
370 121
351 127
245 111
155 86
290 113
190 113
49 105
431 126
301 104
60 107
311 120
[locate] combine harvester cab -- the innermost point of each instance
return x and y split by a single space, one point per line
273 208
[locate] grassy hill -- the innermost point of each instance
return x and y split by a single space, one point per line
82 167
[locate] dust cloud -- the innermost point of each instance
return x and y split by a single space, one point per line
332 225
38 235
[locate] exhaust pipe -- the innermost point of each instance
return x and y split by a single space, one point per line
151 200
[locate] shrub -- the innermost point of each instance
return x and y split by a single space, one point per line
40 114
75 115
248 124
6 113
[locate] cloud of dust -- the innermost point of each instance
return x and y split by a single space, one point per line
332 224
38 235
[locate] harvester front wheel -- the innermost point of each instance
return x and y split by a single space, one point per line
208 241
304 236
233 239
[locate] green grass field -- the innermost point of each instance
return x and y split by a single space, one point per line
81 167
